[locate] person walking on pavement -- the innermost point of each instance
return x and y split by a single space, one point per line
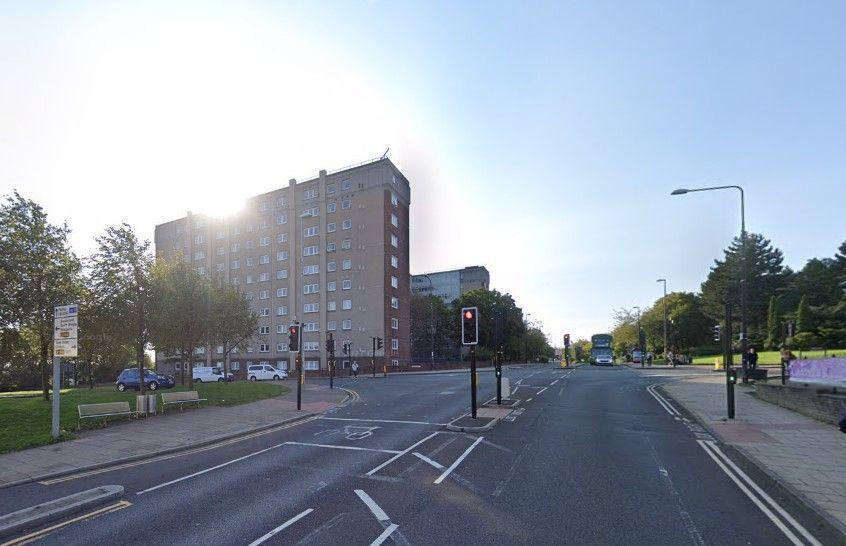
355 369
753 359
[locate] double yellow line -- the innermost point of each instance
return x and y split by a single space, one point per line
41 533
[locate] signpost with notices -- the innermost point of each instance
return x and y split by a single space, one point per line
65 324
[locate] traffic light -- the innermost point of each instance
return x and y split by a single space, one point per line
732 376
566 340
469 325
379 343
346 347
717 332
294 338
330 345
642 339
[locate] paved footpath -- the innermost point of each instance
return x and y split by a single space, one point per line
172 431
802 454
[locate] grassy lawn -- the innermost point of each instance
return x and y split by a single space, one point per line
26 420
769 357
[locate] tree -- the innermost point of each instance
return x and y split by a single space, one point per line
804 322
39 272
121 278
180 317
581 350
773 324
766 276
430 328
232 321
687 325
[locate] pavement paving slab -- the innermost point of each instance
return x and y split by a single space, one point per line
152 435
804 455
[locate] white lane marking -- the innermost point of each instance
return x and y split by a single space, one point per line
561 391
457 462
695 536
282 527
668 407
787 532
426 459
554 382
543 389
375 508
796 525
221 465
528 399
382 421
385 534
400 454
351 448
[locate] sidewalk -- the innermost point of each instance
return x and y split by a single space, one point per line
802 454
164 433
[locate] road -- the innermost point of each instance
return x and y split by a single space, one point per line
590 457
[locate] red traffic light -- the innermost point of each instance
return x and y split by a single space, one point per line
468 314
292 330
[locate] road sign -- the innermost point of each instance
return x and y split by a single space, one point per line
65 328
71 310
65 348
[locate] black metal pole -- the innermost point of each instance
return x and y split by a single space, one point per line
728 364
498 357
373 359
299 364
331 361
473 379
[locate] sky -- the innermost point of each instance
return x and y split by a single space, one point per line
542 140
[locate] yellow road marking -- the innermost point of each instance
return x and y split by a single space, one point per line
120 505
173 455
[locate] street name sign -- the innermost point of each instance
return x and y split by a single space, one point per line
65 348
65 328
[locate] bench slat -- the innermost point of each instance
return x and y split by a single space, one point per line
185 396
91 410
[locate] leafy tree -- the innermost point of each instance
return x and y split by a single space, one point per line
121 278
773 324
39 272
232 321
431 328
687 325
766 276
581 350
180 305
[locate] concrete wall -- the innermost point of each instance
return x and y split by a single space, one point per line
805 400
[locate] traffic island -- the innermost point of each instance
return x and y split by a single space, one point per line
506 403
486 418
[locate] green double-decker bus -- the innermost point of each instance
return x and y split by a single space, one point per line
601 351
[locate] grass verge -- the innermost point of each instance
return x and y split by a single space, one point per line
770 357
26 420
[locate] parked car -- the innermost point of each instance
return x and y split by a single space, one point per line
637 356
259 372
209 374
128 379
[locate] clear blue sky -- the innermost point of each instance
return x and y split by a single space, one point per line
560 127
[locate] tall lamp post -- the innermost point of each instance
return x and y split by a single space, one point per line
642 355
665 316
431 321
743 264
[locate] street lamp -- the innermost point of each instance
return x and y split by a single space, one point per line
637 344
431 320
665 316
743 280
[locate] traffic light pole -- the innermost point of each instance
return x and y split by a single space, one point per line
299 364
498 368
727 359
473 379
373 359
331 344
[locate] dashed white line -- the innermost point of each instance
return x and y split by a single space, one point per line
375 508
528 399
282 527
426 459
457 462
382 421
385 534
543 389
400 454
351 448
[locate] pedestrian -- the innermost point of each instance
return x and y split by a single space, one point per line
355 369
671 359
753 359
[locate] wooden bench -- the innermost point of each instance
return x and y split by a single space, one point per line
107 409
181 398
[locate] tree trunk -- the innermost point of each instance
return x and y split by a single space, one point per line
90 374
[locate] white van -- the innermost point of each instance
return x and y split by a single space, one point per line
208 374
257 372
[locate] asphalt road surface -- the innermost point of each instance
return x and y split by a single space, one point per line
589 457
